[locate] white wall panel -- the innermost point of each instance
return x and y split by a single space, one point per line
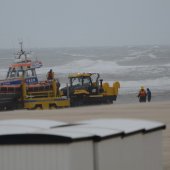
153 150
108 154
72 156
81 156
132 152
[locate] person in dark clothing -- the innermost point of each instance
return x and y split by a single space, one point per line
149 94
50 75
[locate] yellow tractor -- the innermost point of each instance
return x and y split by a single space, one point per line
87 88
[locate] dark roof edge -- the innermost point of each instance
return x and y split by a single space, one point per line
38 139
155 129
132 133
97 138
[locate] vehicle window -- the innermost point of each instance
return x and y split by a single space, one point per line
86 81
8 74
20 73
29 73
76 81
94 77
33 73
13 73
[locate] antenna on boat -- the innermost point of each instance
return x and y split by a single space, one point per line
22 52
21 43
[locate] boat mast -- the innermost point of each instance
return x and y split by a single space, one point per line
22 52
21 43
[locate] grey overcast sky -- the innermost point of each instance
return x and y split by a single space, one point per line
63 23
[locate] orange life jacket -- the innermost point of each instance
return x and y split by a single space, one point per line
142 93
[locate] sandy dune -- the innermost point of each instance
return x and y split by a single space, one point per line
159 111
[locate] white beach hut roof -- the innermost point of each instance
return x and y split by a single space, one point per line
128 126
97 133
37 123
22 131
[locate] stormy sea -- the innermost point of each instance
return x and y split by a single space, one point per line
132 66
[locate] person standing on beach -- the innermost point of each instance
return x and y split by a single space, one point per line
149 94
142 95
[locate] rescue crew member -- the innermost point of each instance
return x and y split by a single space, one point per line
149 94
50 75
142 95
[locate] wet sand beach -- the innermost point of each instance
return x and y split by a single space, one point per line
156 111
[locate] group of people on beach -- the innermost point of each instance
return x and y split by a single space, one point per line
144 95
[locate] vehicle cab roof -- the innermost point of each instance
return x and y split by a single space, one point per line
74 75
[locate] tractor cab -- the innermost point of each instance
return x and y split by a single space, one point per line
83 79
84 83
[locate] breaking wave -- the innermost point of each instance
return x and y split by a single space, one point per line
147 66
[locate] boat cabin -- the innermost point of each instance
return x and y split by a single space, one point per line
22 69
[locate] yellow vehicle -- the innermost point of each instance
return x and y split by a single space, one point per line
87 88
44 99
83 89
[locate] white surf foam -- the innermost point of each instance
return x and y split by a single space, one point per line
84 65
159 85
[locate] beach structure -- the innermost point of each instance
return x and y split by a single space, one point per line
106 145
140 147
43 147
34 123
93 144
